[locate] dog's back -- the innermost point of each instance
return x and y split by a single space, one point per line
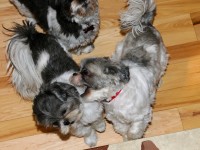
37 58
143 44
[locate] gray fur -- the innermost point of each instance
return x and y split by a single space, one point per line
139 14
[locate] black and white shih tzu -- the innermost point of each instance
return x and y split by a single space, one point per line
129 80
38 59
43 72
74 22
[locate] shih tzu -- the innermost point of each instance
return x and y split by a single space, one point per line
37 59
59 105
46 74
74 22
127 83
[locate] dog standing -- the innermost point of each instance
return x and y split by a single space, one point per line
74 22
127 83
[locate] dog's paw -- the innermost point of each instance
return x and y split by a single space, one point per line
135 133
31 20
91 140
88 49
101 127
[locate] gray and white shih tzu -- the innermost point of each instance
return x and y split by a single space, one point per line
59 105
127 83
43 72
74 22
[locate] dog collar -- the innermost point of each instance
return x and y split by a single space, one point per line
116 94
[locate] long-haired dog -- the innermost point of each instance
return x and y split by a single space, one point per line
127 83
59 105
74 22
43 72
37 59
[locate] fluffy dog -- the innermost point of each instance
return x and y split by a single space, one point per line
37 59
74 22
129 80
59 105
43 71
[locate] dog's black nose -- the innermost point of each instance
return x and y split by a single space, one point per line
75 74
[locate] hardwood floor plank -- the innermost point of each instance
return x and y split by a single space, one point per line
16 128
12 106
196 22
172 29
190 116
176 7
163 122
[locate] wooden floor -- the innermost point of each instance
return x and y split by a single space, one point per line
178 100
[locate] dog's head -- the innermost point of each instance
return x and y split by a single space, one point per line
98 73
57 105
75 8
84 7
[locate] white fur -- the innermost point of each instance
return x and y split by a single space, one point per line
52 21
26 79
42 61
131 111
91 120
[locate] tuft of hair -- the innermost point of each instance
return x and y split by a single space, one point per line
25 77
139 14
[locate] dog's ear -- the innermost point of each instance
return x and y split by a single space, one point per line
63 90
125 74
110 70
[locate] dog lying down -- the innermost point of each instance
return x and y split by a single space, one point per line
127 83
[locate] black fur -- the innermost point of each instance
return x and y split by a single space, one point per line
40 9
59 62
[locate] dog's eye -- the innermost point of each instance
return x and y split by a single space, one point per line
63 112
84 71
66 122
55 124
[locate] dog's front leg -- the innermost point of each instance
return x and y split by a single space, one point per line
99 125
137 130
91 138
86 49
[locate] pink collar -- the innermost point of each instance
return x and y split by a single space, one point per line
116 94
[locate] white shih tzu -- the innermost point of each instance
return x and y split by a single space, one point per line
74 22
127 83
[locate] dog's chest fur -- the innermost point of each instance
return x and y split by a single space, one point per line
134 101
91 112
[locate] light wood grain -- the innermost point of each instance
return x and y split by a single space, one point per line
178 100
162 124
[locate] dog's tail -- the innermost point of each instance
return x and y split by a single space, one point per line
139 14
25 77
